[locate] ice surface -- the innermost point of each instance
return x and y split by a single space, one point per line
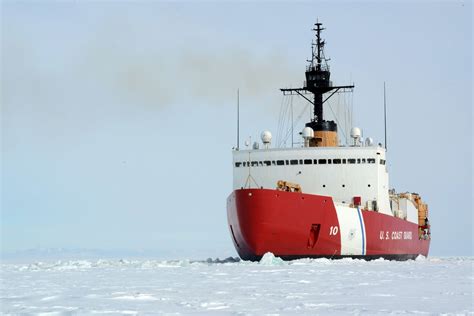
271 286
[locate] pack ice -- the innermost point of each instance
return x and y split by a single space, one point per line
271 286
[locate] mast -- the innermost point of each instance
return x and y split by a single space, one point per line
238 120
318 83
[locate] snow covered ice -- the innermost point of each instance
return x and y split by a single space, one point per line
271 286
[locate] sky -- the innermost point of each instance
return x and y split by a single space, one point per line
118 118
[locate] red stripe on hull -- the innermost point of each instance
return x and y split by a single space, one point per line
390 235
293 225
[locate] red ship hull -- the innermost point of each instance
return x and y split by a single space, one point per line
296 225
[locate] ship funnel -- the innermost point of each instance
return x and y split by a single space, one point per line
307 134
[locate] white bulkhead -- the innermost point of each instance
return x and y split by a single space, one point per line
409 210
339 172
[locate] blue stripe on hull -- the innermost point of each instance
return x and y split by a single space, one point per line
362 230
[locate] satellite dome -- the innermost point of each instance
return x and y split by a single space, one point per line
307 132
369 141
266 137
356 132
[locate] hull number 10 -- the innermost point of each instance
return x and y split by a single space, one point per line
333 230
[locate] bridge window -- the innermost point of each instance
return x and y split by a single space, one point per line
335 161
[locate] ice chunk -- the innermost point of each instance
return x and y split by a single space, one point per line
269 259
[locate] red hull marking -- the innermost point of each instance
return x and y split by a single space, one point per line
263 220
390 235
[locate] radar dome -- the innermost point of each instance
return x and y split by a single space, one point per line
266 137
307 132
356 132
369 141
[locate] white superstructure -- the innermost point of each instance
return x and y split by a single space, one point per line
340 172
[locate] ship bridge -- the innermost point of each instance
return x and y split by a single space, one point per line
347 174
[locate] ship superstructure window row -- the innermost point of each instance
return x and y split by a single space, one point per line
336 161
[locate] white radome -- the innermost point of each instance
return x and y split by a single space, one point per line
307 133
369 141
356 132
266 137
